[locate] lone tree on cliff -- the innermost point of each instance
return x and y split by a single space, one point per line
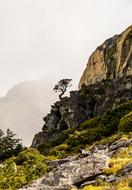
62 86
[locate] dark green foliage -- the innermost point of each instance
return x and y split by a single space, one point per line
9 145
125 124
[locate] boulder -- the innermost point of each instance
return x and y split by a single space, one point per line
72 173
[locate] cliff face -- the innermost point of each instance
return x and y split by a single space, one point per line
111 60
106 83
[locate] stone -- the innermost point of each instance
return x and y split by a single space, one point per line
111 60
56 163
88 183
116 146
126 171
84 153
72 173
110 178
75 172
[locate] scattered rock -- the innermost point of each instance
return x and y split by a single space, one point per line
56 163
126 171
84 153
110 178
88 183
114 147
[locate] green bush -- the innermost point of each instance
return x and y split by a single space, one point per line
18 171
59 151
9 145
90 123
125 124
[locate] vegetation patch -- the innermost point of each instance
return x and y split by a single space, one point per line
123 184
125 124
119 160
18 171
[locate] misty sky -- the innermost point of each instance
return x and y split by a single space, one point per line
52 39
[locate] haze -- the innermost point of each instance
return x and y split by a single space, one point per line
52 39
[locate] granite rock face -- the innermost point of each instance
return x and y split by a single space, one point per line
111 60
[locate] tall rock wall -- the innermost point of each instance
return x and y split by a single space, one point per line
111 60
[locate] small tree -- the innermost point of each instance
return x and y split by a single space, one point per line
62 86
9 146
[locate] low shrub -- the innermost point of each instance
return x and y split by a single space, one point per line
125 124
59 151
18 171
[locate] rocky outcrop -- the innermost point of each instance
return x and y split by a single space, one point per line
89 101
84 169
111 60
73 173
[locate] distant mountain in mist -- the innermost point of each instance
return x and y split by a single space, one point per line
23 108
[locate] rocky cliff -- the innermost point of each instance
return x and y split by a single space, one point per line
106 83
111 60
89 101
